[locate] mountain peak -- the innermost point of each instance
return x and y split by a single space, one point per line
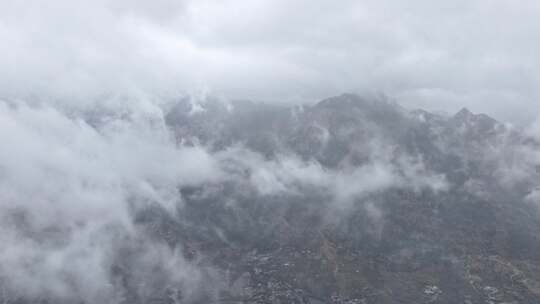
349 101
464 113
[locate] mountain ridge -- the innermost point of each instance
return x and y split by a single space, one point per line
349 200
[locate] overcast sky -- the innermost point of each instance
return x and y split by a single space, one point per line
483 54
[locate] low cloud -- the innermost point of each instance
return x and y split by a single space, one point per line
288 174
68 193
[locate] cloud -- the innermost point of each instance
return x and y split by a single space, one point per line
479 54
84 143
68 192
287 174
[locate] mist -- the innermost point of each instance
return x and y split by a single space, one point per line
269 152
479 54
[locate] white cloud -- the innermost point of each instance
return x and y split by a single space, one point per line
481 54
287 174
66 194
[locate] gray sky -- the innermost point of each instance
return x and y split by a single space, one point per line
444 55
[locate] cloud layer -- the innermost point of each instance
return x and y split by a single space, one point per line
481 54
68 194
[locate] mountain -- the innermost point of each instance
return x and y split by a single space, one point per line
477 241
349 200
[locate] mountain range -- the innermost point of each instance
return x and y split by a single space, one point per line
350 200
